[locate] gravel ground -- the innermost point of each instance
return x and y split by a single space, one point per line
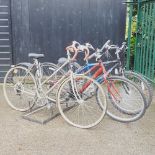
21 137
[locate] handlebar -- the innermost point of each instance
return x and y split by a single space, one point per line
83 48
117 48
74 56
76 47
105 45
99 52
86 54
72 49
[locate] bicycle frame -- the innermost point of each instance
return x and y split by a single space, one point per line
39 84
89 67
101 74
92 66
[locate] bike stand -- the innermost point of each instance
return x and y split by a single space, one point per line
40 112
37 114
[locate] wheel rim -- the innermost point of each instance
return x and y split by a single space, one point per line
131 105
141 83
83 112
19 88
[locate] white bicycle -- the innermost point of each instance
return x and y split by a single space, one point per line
74 95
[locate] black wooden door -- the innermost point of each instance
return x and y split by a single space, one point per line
47 26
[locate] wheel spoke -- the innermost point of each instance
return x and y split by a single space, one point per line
87 113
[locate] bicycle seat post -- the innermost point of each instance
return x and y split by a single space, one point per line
36 62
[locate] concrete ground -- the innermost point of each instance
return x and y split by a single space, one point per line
21 137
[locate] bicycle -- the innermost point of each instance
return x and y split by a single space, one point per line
118 69
114 86
78 105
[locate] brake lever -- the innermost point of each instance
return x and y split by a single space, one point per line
107 54
98 54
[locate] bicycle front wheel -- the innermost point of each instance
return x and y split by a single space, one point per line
126 102
19 88
77 103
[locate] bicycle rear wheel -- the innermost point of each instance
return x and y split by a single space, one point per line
142 83
19 88
77 103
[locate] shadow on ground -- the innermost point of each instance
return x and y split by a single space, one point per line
21 137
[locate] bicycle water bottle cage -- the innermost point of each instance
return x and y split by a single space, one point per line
35 55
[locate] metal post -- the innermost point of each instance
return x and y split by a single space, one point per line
129 35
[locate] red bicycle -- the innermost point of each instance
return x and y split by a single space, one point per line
127 103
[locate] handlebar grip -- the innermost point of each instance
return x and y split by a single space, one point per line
75 55
72 50
86 54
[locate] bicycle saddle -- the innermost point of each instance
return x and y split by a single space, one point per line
35 55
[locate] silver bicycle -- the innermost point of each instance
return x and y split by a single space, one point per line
74 95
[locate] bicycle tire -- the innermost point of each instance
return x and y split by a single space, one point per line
123 111
69 117
18 89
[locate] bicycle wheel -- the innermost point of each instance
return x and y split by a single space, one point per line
126 102
76 100
142 83
19 88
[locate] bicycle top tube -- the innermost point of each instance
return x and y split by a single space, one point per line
86 68
97 75
90 65
67 62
